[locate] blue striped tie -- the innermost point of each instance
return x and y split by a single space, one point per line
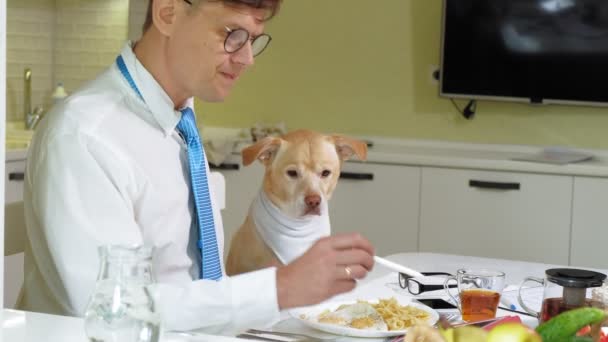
210 264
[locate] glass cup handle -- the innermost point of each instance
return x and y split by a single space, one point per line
521 301
446 286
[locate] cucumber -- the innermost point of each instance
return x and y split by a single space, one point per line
580 339
564 326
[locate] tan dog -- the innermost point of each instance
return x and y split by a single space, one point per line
290 213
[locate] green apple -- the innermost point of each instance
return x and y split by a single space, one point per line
513 332
470 334
447 334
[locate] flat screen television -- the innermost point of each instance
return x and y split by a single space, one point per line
539 51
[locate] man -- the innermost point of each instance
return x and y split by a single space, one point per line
115 164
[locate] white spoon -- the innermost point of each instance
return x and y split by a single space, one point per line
396 267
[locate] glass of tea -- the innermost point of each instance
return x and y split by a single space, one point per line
479 291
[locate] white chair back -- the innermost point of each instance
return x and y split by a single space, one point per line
217 183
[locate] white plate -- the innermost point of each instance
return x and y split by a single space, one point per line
311 312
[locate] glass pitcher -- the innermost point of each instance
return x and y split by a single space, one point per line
121 309
564 289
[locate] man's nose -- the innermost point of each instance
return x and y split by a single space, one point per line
244 55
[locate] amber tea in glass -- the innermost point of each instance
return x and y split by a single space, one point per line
479 291
478 304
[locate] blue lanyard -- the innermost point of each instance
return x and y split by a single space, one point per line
125 72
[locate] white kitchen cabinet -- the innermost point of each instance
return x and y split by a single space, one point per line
518 216
13 180
14 230
589 246
380 202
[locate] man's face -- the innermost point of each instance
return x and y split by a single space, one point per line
197 58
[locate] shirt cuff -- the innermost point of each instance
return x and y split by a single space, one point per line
255 297
228 306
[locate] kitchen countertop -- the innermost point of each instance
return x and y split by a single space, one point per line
480 157
492 157
16 154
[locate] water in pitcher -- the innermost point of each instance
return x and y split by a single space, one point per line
121 309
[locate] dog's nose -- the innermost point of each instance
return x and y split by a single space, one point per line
312 201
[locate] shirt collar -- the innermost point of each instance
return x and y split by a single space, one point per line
157 100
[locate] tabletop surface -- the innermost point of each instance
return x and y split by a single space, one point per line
29 327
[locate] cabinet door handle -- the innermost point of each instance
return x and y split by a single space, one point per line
16 176
356 176
493 185
224 166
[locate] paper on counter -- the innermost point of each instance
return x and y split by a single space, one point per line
557 155
532 296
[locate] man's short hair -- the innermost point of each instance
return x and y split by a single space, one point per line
271 5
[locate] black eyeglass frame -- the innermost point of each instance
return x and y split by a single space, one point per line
404 282
255 3
231 32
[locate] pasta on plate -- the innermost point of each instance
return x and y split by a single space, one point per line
399 317
385 315
381 317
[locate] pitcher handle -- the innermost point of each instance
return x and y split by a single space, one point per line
521 301
446 286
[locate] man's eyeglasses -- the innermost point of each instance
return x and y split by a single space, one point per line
415 287
237 38
254 3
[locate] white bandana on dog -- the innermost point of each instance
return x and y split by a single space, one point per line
288 238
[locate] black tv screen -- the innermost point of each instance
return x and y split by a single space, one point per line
540 51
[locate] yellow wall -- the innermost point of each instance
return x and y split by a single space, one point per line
363 67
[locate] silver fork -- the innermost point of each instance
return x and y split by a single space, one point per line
257 338
300 337
452 318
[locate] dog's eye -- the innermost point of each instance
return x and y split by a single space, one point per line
292 173
325 173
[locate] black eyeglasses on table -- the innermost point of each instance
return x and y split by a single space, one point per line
415 287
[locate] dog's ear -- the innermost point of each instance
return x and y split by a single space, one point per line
347 147
263 150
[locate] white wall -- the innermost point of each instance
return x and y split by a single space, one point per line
2 141
137 16
60 40
29 44
89 35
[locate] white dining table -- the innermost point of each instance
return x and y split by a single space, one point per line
24 326
383 283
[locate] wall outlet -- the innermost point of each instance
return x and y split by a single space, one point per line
433 74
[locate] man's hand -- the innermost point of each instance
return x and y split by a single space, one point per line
328 268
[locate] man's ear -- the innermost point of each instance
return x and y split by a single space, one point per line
164 15
263 150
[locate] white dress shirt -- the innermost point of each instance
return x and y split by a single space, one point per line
106 168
